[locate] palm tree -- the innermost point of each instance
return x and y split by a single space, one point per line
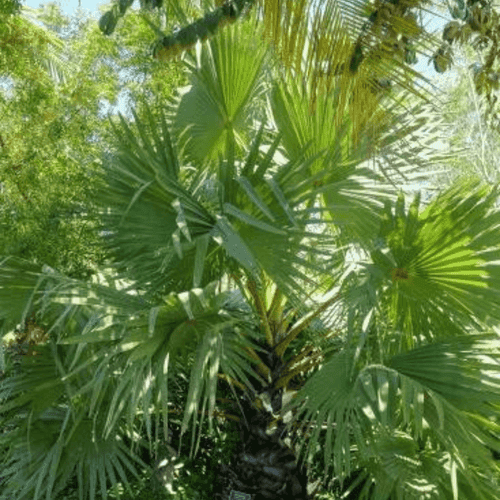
255 245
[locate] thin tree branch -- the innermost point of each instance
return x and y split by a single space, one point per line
201 29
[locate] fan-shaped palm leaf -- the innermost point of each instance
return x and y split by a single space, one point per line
388 418
101 387
434 273
226 93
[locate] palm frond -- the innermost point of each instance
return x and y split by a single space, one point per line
58 447
225 96
256 221
389 418
185 323
433 273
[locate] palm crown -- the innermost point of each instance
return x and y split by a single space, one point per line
228 213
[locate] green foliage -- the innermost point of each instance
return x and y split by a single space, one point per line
49 153
109 20
10 7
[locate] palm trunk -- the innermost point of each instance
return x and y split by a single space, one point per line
264 467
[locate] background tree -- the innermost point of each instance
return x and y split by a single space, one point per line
44 137
476 23
54 136
467 111
9 7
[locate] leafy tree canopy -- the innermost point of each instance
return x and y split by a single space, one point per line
53 135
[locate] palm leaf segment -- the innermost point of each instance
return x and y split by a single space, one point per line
58 448
229 82
351 132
